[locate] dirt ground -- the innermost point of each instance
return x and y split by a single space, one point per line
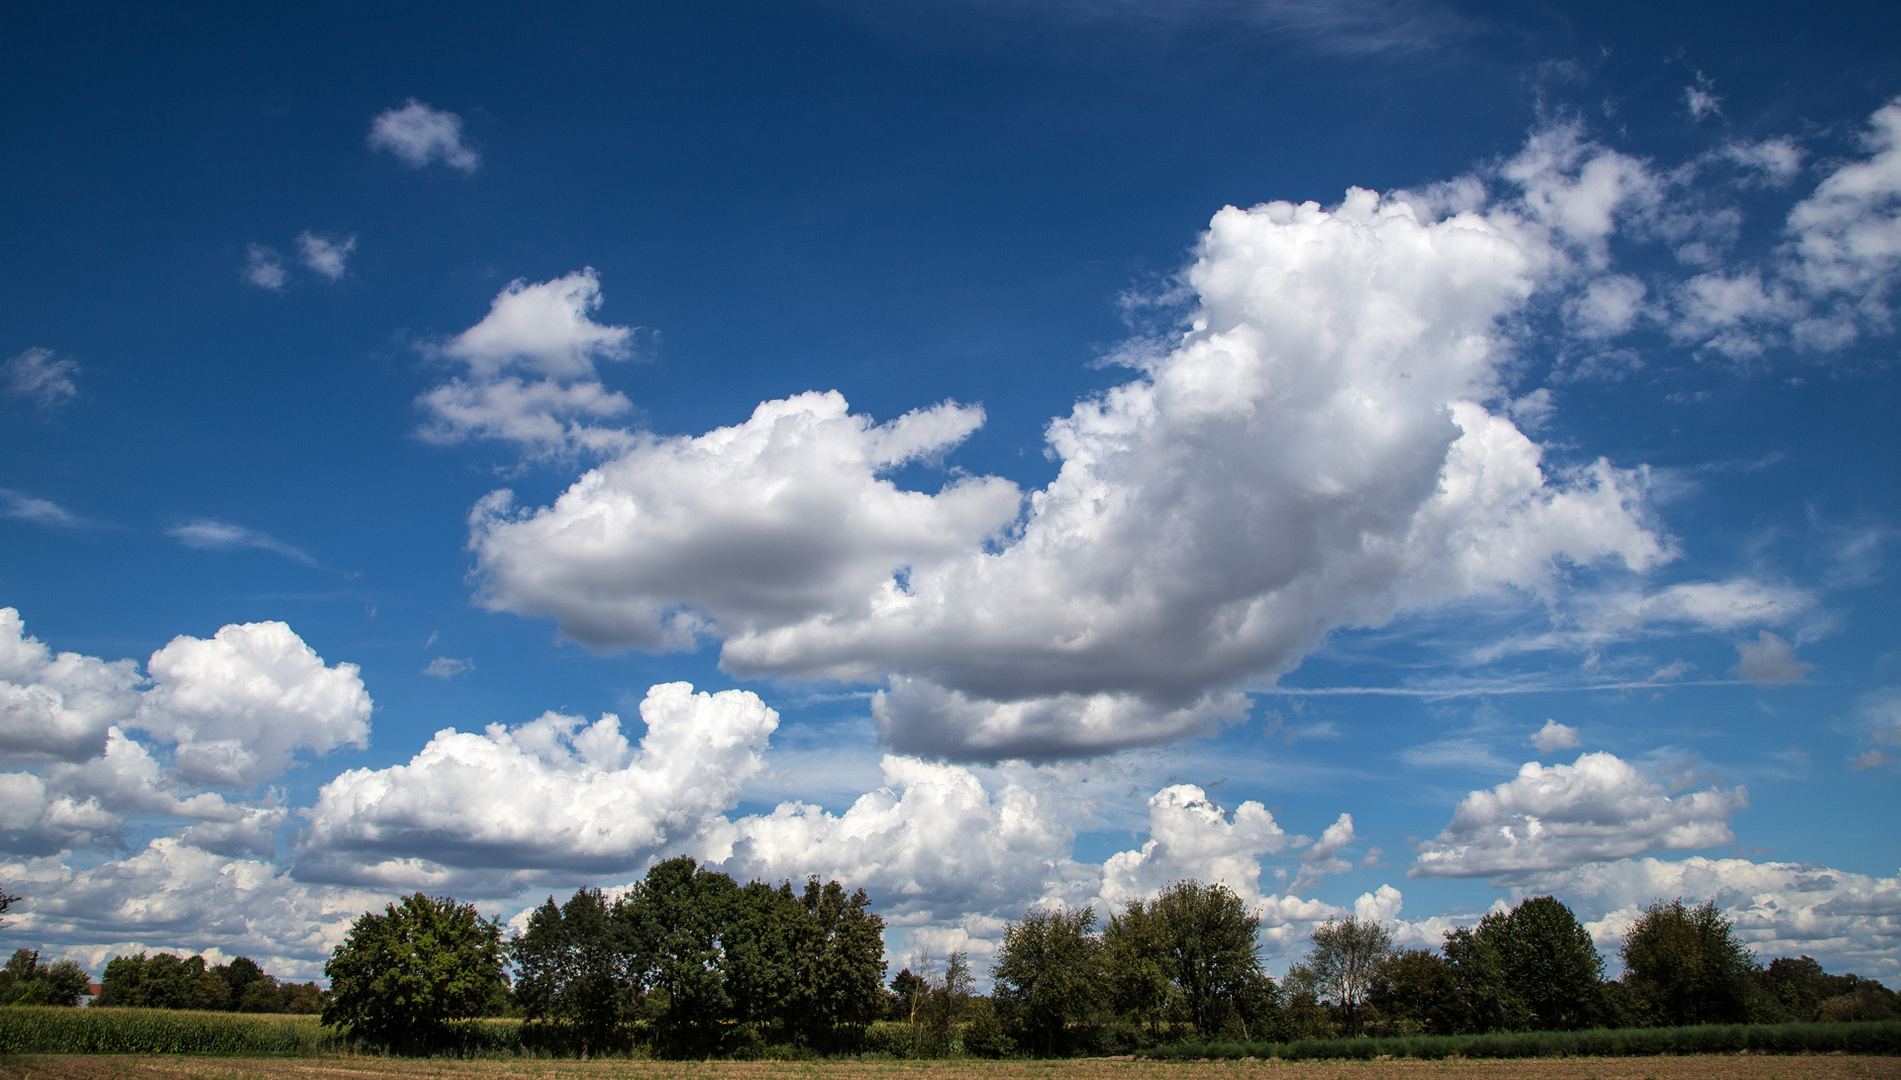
1722 1067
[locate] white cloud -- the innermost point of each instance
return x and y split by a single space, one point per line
933 844
1770 661
447 667
57 707
1848 921
556 794
1551 818
1700 101
223 536
1192 838
1311 455
1777 159
39 376
418 135
242 703
531 377
174 896
264 268
1579 189
326 255
1609 306
22 507
1555 736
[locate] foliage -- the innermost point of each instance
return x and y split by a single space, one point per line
401 977
1341 964
166 981
1190 955
1533 967
1416 992
1876 1037
26 980
571 969
1685 965
1049 977
944 1002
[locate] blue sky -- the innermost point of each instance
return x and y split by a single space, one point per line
1390 458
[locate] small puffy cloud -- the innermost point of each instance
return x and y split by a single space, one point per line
554 795
1778 160
1870 759
1551 818
1313 453
1555 736
41 377
1848 921
1770 661
264 268
531 374
211 535
1580 190
446 667
1609 305
1846 237
242 703
1322 857
418 135
324 254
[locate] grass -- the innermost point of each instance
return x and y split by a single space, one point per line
347 1067
1881 1037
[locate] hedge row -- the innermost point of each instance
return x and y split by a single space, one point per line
1867 1037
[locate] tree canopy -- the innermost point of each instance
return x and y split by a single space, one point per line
401 977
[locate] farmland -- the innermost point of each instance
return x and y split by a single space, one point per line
1723 1067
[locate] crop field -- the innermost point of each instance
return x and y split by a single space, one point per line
1710 1067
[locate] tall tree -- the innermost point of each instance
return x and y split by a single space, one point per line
676 920
1685 965
842 966
1202 940
1049 975
571 969
401 977
1415 992
1340 965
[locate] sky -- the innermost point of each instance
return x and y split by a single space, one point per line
1392 459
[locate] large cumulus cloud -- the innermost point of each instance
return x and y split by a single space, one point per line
1314 452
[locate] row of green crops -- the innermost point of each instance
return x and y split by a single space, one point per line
1868 1037
50 1030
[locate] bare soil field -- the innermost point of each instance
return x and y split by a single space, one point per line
1714 1067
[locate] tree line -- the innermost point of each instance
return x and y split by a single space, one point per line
169 981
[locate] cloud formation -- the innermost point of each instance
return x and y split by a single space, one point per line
1770 661
1313 453
264 268
1555 817
41 377
530 376
324 254
1849 921
557 794
209 535
417 135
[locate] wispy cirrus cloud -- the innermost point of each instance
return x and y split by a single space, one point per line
39 376
22 507
206 534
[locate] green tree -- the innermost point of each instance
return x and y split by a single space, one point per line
571 969
1415 992
239 976
1049 975
676 922
1340 965
1191 951
1531 968
1684 965
401 977
841 967
946 999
